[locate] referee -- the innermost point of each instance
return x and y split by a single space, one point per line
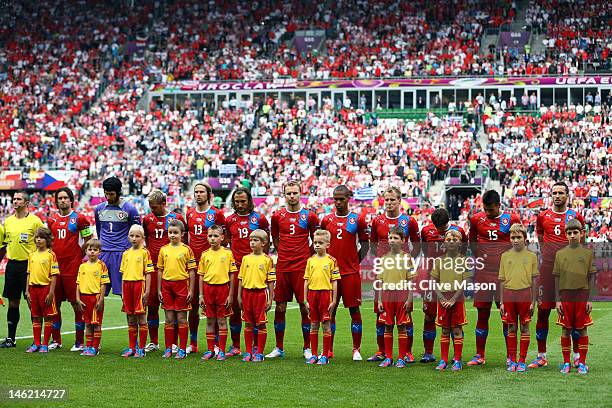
18 243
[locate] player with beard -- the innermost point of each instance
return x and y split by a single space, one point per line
550 229
199 219
67 227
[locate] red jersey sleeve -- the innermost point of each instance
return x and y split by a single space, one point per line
539 224
413 231
515 219
274 231
473 234
374 230
362 228
313 222
82 222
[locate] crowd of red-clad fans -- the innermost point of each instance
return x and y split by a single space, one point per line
72 74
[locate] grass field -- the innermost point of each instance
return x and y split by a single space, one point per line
111 380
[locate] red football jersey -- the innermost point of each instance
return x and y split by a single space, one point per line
66 230
156 232
198 224
381 225
551 225
294 231
239 228
433 239
492 236
346 232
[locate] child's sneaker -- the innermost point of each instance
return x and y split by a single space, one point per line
409 358
140 353
180 354
87 352
312 360
233 351
276 353
400 363
220 356
441 365
128 352
566 368
258 358
521 368
508 361
174 349
387 362
43 349
428 358
376 357
208 355
32 349
583 369
247 357
323 360
167 353
538 362
476 360
457 366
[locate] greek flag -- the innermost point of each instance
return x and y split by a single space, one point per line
365 194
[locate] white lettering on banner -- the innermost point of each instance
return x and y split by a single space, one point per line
578 81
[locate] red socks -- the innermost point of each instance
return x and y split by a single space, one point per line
169 335
444 345
97 337
262 336
566 348
37 330
326 343
222 339
89 339
248 339
429 336
143 331
542 329
525 338
356 329
183 335
279 328
314 341
458 348
403 340
511 346
388 338
133 335
47 333
583 347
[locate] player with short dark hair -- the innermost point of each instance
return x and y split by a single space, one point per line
292 230
18 244
489 237
550 230
239 226
380 246
432 237
348 230
113 221
68 227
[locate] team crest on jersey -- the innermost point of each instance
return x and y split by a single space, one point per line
253 220
303 217
351 220
569 217
210 217
403 223
122 215
73 220
261 267
505 221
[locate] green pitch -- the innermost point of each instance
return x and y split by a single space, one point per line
111 380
